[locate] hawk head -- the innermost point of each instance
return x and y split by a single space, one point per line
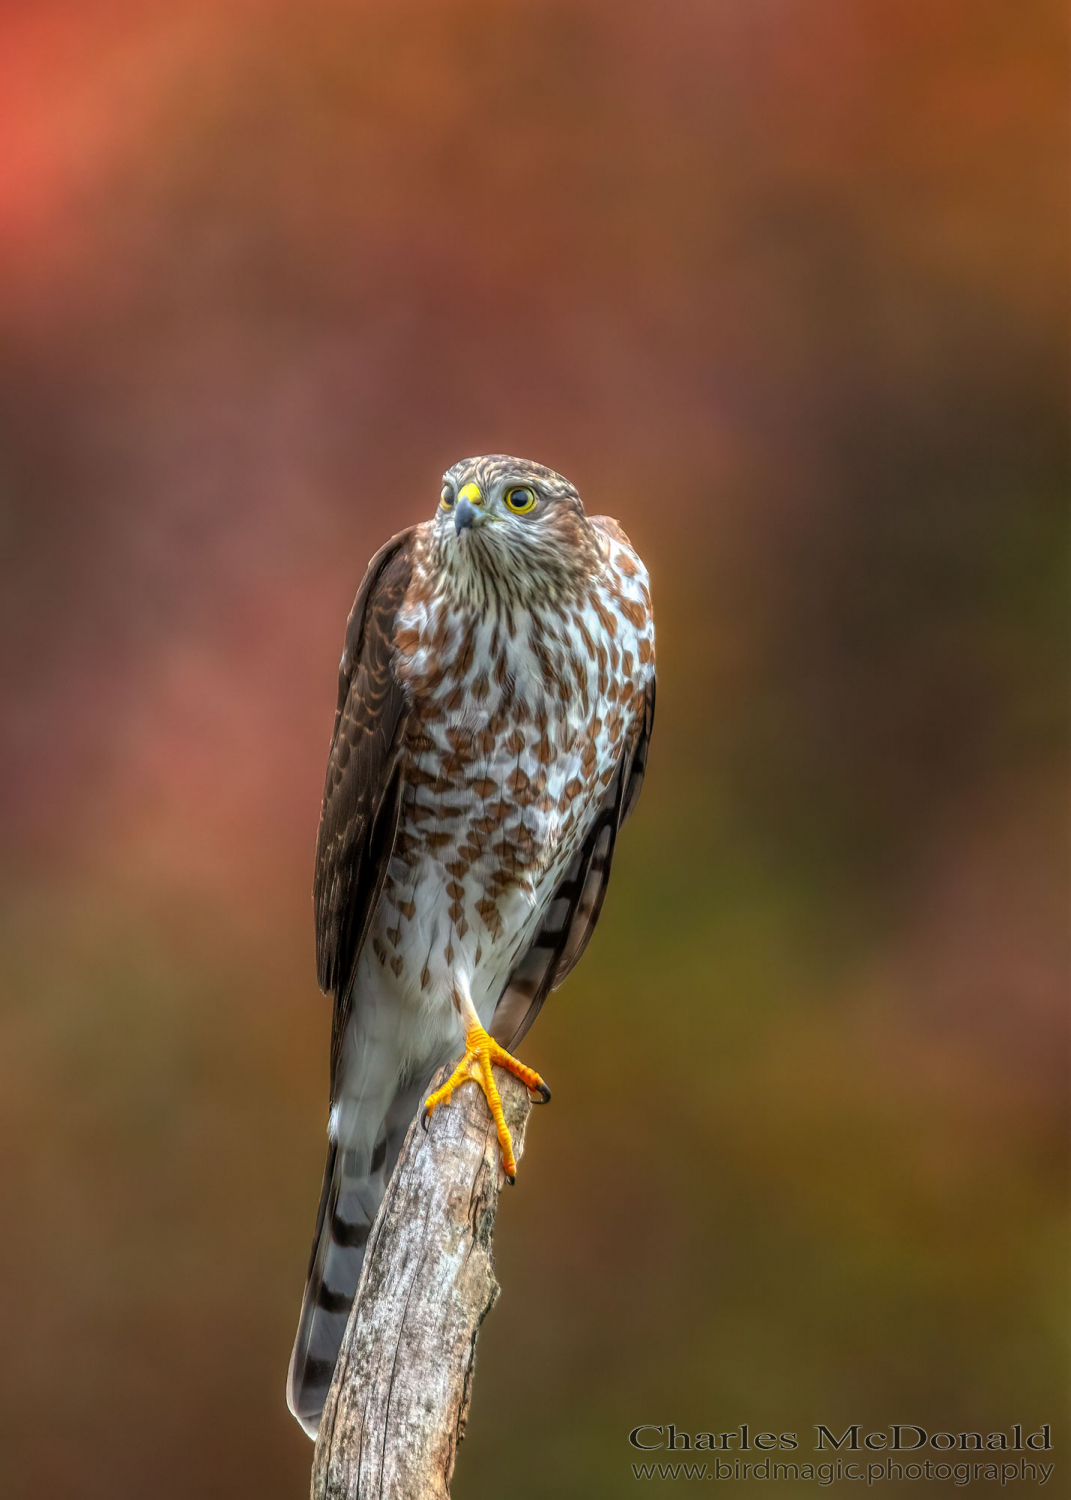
515 527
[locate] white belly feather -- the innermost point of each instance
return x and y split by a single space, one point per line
514 747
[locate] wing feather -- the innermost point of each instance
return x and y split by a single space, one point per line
362 790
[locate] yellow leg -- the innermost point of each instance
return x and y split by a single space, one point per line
481 1051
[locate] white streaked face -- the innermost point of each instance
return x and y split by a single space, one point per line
506 499
512 521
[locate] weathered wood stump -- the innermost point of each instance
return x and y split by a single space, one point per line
399 1400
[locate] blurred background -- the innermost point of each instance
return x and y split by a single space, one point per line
781 286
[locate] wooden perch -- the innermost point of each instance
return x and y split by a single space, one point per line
399 1400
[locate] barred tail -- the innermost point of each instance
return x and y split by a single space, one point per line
349 1200
353 1187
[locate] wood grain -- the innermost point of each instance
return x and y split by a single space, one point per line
399 1399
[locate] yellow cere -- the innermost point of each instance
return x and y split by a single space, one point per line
472 494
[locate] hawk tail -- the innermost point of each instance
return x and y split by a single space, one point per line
349 1200
355 1180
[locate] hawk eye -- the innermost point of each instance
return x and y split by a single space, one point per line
446 499
520 499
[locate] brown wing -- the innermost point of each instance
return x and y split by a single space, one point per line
576 904
362 791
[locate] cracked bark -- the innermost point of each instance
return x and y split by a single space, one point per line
399 1399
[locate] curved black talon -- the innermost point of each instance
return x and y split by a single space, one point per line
424 1121
511 1180
544 1095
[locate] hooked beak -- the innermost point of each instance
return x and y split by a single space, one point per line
465 511
464 515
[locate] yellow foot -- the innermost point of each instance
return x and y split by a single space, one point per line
481 1051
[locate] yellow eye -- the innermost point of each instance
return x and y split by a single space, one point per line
520 500
446 499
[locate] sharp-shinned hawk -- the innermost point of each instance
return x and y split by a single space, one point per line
495 704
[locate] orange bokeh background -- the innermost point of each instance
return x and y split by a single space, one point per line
782 287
